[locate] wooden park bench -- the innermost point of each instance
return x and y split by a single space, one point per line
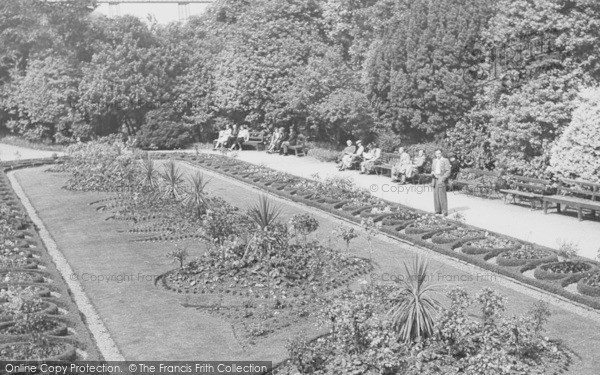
477 181
386 162
527 189
581 195
256 140
300 148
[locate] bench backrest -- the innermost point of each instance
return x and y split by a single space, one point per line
256 136
479 175
530 184
581 189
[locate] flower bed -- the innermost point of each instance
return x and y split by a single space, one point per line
590 285
33 323
296 275
42 350
453 235
489 244
20 277
414 231
524 255
561 270
426 224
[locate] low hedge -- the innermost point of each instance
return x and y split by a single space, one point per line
416 239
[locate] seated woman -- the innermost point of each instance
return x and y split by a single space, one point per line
416 165
370 158
291 141
243 136
283 137
404 164
274 139
233 136
223 138
347 160
349 150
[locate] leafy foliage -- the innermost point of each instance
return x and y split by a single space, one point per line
162 129
576 153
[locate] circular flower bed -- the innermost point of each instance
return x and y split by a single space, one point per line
9 310
34 290
296 275
560 270
27 325
453 235
590 285
39 350
24 263
400 218
427 223
488 244
523 255
20 277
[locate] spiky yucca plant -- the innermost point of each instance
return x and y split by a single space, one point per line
196 199
264 213
148 178
414 308
172 179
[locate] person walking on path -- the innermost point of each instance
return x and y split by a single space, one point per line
440 171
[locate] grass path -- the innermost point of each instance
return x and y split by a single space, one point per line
148 323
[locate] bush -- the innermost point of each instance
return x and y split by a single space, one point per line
162 130
324 155
576 154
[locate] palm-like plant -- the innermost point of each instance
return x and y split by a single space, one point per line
148 178
172 179
413 311
196 199
264 213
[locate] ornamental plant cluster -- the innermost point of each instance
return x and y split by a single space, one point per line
251 252
362 339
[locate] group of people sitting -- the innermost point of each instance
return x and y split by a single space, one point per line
281 140
232 137
368 157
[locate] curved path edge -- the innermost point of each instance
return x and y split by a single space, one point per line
101 335
529 290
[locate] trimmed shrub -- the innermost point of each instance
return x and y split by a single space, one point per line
162 130
576 154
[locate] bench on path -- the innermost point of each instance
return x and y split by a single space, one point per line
386 162
256 140
528 189
581 195
300 148
477 181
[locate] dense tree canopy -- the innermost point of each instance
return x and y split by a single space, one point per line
496 80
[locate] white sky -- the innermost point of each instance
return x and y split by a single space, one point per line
164 13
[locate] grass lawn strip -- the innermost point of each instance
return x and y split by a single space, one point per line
105 344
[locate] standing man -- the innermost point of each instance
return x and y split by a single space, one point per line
440 171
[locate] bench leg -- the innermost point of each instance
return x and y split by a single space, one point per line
545 205
579 213
558 207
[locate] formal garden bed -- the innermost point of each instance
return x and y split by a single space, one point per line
266 276
38 320
368 335
341 191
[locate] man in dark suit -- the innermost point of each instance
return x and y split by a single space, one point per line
440 171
